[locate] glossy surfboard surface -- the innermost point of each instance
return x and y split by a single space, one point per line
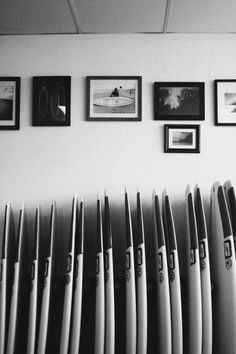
164 332
223 271
78 282
4 279
31 341
16 288
47 282
109 283
194 340
131 317
231 200
66 316
205 274
174 277
100 290
142 325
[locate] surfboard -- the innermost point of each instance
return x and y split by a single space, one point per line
163 293
100 290
43 102
17 278
230 197
194 338
4 279
205 274
174 276
114 101
44 316
78 282
223 271
66 316
31 341
55 102
131 324
109 283
142 325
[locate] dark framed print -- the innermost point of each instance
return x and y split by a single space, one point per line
182 138
9 103
225 102
51 100
114 98
179 100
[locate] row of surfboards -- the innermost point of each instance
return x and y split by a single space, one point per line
210 260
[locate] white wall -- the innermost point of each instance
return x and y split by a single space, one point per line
38 164
41 163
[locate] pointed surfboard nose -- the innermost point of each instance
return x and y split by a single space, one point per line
107 229
129 235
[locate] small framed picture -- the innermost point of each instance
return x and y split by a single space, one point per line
225 102
182 138
51 100
114 98
9 103
179 100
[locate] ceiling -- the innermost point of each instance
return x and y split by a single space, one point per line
117 16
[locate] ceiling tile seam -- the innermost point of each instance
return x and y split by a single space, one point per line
75 16
167 15
201 32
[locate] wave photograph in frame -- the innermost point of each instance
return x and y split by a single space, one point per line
182 138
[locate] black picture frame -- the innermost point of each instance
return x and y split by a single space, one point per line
51 100
179 101
225 102
10 103
182 138
114 98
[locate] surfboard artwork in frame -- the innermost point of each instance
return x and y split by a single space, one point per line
51 100
114 98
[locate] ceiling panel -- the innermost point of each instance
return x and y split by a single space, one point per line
121 16
36 16
210 16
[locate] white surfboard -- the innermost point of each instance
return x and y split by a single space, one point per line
78 282
100 290
4 279
131 324
109 283
174 277
223 271
66 316
44 316
14 309
142 325
194 338
205 274
164 333
31 342
231 199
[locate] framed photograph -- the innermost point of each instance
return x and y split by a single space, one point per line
182 138
179 100
114 98
225 102
51 100
9 103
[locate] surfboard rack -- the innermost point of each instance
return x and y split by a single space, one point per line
154 269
